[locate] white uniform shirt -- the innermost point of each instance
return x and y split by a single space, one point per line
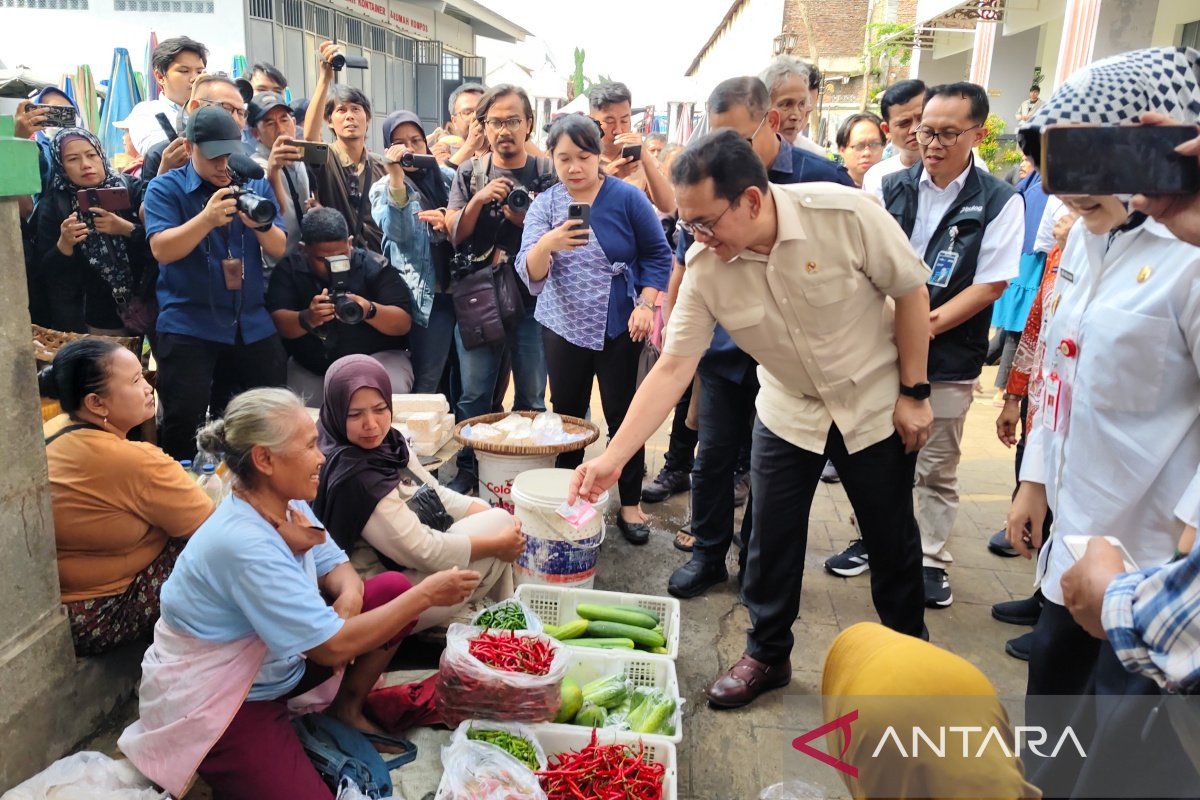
1123 461
144 130
805 143
873 178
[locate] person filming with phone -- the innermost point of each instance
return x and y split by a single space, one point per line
592 242
209 225
622 152
273 125
332 299
92 252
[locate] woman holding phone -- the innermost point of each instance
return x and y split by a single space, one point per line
92 253
595 252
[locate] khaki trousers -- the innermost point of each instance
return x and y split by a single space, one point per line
937 471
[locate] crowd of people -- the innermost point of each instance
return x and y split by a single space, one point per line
808 319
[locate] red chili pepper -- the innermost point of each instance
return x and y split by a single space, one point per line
506 651
608 772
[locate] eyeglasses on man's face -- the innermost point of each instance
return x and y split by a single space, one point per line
237 111
705 228
512 123
866 147
925 136
754 135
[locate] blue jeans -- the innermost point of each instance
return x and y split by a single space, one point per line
430 346
480 369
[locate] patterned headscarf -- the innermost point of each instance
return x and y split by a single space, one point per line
107 255
1120 89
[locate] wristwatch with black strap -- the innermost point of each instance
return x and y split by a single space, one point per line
920 391
372 310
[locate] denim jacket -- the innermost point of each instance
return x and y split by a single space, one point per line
407 243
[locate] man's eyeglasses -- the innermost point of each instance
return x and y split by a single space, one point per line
237 111
863 147
925 136
704 228
512 123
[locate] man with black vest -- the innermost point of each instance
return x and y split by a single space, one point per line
968 226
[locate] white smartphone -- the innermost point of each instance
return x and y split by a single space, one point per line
1077 545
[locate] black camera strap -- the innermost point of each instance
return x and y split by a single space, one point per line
297 208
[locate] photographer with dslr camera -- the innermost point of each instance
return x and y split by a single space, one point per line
209 224
486 216
333 299
345 179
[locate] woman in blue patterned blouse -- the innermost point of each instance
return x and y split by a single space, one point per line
596 291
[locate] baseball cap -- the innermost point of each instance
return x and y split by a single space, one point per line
215 132
122 124
262 103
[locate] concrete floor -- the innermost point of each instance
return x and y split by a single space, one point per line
734 755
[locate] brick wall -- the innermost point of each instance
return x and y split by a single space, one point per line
837 26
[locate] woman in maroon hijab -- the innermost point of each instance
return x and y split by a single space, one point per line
386 511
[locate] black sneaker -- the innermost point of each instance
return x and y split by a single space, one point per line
1019 612
464 482
1020 647
667 483
829 474
998 545
850 562
937 588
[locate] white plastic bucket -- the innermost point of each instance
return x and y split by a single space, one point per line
555 551
496 474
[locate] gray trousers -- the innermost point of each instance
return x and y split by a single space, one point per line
937 471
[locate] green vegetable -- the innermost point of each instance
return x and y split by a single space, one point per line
591 715
516 746
508 617
662 651
608 692
572 699
607 643
639 706
572 630
639 635
635 619
639 610
658 713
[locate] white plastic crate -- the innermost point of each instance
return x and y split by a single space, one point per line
555 605
562 738
642 669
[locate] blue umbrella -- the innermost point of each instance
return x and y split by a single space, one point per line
68 87
123 94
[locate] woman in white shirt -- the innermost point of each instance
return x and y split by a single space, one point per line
384 509
1116 447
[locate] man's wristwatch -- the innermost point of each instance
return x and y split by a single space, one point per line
304 323
919 392
372 310
264 227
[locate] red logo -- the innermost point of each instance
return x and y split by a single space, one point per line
801 743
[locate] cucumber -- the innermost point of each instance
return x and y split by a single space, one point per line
639 610
597 613
572 630
609 642
639 635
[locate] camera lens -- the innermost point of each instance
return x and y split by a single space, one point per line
256 207
406 160
338 61
346 310
518 199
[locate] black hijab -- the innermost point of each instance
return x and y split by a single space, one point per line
354 480
429 182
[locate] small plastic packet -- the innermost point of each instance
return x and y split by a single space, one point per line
579 514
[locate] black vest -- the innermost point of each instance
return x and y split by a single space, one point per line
959 353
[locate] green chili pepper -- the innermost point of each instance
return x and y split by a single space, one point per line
507 617
516 746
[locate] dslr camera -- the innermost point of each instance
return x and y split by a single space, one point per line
345 308
254 206
520 197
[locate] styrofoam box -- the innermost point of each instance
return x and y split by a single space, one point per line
562 738
405 404
555 605
642 669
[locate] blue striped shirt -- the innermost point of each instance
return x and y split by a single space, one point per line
588 295
1152 618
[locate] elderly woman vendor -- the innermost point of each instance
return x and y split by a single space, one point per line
247 623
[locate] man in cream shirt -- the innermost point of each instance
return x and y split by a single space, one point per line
800 277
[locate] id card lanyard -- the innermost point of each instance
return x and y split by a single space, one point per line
945 262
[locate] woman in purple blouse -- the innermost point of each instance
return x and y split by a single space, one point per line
596 290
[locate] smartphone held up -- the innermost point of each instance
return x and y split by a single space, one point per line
1117 159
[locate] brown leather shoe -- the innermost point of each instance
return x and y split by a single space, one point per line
746 680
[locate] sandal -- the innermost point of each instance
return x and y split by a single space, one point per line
684 540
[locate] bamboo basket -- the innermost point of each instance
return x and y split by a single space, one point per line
570 425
